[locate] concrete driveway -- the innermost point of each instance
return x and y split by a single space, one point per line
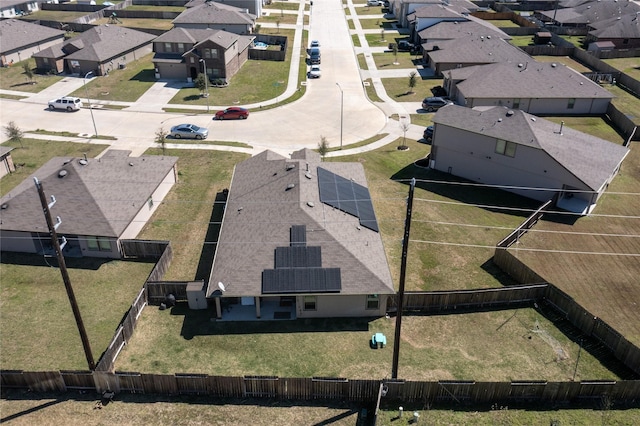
297 125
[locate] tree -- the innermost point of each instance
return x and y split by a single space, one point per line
412 81
323 146
161 139
382 34
14 133
404 125
201 83
394 48
278 25
28 71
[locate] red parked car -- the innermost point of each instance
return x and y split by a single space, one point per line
232 112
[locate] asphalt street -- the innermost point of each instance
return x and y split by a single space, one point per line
283 129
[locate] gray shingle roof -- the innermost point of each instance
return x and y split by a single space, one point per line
215 13
107 41
476 49
590 159
261 210
195 36
16 34
100 198
452 30
594 11
627 26
437 11
531 80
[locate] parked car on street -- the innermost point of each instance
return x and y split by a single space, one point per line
189 131
428 134
314 72
67 103
314 56
231 113
406 45
375 2
314 43
434 103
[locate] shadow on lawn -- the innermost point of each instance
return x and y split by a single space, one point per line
199 323
211 238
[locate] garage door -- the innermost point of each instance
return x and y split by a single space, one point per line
172 71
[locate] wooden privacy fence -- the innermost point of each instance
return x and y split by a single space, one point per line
524 226
438 301
318 388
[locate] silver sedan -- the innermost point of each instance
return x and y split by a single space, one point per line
189 131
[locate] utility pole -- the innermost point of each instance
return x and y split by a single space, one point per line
63 269
403 275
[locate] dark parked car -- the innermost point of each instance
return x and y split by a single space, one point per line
314 56
232 112
434 103
406 45
428 134
188 131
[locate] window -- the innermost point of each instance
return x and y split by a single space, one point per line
150 203
309 303
98 244
180 47
167 47
571 104
516 103
373 301
505 148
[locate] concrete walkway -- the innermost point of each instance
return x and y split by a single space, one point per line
352 127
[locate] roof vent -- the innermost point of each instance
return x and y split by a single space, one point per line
290 186
533 119
131 163
553 65
62 173
4 206
83 162
509 113
291 166
66 162
488 37
499 120
310 203
308 175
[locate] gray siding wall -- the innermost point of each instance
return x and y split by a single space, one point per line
17 241
542 105
328 306
472 156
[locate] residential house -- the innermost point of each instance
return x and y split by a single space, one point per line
534 87
182 53
588 13
531 156
217 16
99 202
252 6
431 14
6 162
477 49
447 30
301 235
622 31
13 8
403 9
100 49
21 39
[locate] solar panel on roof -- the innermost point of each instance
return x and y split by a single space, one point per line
348 196
301 280
298 235
297 257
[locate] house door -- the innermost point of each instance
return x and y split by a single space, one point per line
194 73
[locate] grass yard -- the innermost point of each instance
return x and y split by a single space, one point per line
626 102
607 286
356 40
630 66
377 23
257 81
383 38
278 18
14 78
388 60
503 23
398 88
54 15
125 85
186 211
283 5
154 8
520 41
27 409
502 345
577 41
38 328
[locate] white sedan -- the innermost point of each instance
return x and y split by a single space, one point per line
314 72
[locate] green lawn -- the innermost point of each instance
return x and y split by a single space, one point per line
283 5
503 23
276 17
54 15
629 66
626 102
381 38
14 78
402 60
398 88
155 24
377 23
125 85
